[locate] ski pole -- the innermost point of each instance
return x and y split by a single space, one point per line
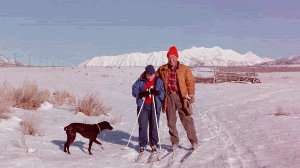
153 97
135 123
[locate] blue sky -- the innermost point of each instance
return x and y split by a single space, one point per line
67 32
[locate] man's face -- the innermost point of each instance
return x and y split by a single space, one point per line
150 77
173 59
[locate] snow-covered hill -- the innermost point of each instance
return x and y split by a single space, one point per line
215 56
8 62
293 60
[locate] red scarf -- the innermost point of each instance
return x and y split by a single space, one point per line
148 85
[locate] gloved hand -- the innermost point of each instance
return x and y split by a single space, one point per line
154 92
191 99
187 107
145 93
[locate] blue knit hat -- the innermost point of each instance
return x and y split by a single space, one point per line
149 69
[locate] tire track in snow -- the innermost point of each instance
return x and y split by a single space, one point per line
230 152
235 154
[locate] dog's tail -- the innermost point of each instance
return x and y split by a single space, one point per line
67 128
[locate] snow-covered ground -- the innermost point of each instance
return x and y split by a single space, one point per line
235 122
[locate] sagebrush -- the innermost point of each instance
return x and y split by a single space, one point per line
91 105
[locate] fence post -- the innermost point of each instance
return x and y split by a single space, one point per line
214 70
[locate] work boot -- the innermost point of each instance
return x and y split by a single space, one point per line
174 147
153 148
142 149
195 146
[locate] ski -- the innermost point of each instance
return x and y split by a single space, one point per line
139 157
171 159
186 156
154 157
165 155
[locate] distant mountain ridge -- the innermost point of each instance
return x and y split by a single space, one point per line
8 62
292 60
215 56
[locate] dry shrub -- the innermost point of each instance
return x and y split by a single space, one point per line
6 99
29 96
30 125
90 105
104 75
280 112
60 98
4 109
116 120
7 93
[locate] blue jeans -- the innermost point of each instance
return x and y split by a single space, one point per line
147 117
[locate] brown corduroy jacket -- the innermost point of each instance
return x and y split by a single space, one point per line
185 81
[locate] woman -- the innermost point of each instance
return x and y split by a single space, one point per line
149 93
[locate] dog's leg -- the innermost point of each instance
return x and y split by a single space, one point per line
99 143
90 146
67 144
70 140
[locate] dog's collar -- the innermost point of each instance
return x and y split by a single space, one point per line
98 128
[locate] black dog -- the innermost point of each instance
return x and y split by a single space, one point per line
89 131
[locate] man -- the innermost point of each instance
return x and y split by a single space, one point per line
179 85
147 86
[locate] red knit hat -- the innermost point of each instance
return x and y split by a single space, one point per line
172 51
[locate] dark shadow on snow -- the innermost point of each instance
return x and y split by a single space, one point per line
61 144
118 137
121 138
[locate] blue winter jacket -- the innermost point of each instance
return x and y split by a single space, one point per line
138 87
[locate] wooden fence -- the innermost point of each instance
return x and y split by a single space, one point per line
220 76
